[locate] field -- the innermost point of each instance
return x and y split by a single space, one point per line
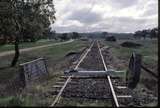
57 62
8 47
149 51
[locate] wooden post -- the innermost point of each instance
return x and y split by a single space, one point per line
133 73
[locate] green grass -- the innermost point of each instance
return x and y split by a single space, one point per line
149 51
10 101
34 96
19 100
52 54
8 47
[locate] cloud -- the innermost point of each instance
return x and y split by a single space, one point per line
105 15
123 3
84 16
151 9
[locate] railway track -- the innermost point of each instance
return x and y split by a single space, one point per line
90 79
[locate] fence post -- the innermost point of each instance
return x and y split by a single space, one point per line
134 70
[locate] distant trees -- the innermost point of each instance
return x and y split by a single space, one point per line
24 20
104 34
140 34
154 33
67 36
64 36
144 33
137 34
75 35
50 34
151 33
111 38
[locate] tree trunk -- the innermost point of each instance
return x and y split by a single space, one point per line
16 56
4 40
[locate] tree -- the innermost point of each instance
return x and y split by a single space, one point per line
25 19
144 33
64 36
51 34
75 35
139 34
11 22
7 26
154 33
104 34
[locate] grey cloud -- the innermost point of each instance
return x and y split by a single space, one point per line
85 16
151 10
128 24
128 20
123 3
92 21
70 29
113 24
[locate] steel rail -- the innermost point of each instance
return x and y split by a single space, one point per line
59 94
84 56
69 77
109 79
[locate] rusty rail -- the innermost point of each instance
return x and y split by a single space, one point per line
109 79
69 77
76 67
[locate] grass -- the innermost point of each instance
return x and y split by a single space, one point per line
52 54
25 100
149 51
10 101
35 95
8 47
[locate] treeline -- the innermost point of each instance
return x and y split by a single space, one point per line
63 36
150 33
25 20
29 20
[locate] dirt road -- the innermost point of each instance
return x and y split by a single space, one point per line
33 48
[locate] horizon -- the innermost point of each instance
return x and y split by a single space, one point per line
107 32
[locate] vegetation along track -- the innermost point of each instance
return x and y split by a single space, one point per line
91 86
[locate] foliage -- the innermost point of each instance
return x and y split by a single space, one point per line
104 34
30 18
152 33
50 34
64 36
24 20
75 35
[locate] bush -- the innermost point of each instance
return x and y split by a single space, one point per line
110 38
130 44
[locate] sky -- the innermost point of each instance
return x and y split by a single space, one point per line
121 16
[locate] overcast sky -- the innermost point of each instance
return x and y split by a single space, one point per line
105 15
